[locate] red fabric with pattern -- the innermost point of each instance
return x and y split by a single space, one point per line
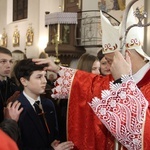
84 128
144 85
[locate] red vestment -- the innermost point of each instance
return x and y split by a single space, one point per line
83 127
144 86
6 143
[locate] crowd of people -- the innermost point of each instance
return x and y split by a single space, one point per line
116 119
19 120
107 99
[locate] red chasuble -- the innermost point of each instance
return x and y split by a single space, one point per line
6 143
144 86
84 128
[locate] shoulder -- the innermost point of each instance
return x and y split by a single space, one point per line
21 96
48 102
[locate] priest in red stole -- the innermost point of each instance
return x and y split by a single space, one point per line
100 110
122 111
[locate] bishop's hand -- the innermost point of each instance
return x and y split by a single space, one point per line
51 65
120 65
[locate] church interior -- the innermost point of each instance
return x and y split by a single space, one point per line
65 30
61 29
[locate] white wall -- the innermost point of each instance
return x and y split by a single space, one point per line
36 17
22 26
90 5
3 8
45 5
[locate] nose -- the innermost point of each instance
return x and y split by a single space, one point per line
8 64
44 79
97 71
108 65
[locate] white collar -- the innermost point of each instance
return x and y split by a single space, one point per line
31 100
141 73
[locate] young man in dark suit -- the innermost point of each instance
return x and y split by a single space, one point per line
9 111
39 129
7 87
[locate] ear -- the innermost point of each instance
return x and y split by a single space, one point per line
23 81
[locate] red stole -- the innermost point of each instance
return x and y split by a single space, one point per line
84 128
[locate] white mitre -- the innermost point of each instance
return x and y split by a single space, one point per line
133 39
111 36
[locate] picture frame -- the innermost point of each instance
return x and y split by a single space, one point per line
16 38
29 36
4 39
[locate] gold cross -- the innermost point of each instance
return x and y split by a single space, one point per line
56 41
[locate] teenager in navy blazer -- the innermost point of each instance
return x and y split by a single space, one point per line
37 134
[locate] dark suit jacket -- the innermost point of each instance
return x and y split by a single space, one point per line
7 89
33 135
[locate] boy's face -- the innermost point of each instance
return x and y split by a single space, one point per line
6 64
36 84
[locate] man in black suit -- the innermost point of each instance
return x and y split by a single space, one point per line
37 122
7 87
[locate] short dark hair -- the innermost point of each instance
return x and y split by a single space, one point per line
5 51
24 68
100 54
